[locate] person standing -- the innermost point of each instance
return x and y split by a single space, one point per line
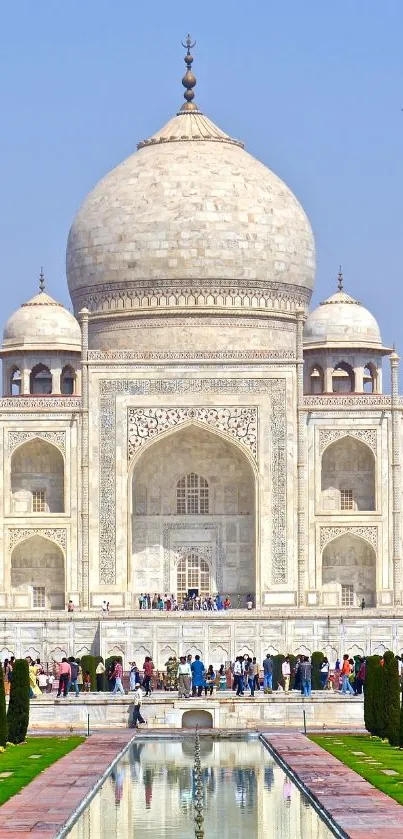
148 669
118 676
137 700
209 680
198 669
64 677
73 676
257 673
360 680
222 678
306 676
100 674
238 676
252 670
134 676
286 671
346 686
268 672
324 673
184 675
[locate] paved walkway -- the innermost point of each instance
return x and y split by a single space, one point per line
41 809
358 808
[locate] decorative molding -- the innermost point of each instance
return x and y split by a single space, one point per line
55 534
274 388
370 533
330 435
192 355
33 403
143 424
137 295
142 320
57 438
203 550
349 400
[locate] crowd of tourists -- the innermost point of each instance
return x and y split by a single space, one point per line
193 602
192 678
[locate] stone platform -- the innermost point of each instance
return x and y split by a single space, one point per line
166 711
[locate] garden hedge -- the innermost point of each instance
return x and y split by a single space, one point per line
392 697
18 708
316 662
88 663
3 712
108 662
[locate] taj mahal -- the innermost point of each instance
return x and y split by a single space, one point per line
195 427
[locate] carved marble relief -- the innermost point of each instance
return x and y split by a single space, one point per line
370 533
145 423
19 534
330 435
16 438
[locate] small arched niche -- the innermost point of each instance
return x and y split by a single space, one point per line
37 574
197 717
316 379
370 378
348 476
68 381
40 380
37 478
350 563
15 382
343 378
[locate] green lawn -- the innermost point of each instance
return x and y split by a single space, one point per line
27 760
346 747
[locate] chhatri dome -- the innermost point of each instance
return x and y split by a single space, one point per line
341 321
42 323
191 224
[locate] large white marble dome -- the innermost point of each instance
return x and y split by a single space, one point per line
190 221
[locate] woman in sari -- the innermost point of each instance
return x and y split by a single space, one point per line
34 669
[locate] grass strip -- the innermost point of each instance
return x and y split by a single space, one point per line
385 757
18 761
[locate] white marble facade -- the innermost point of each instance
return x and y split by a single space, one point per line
202 430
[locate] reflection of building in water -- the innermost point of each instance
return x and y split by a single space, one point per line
244 791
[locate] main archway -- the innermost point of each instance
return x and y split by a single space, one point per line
193 516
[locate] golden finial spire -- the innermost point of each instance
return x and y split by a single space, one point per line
41 281
340 280
189 79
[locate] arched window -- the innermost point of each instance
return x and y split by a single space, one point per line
40 380
343 379
316 378
193 575
15 382
67 381
370 376
192 495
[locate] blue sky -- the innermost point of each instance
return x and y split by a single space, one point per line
314 88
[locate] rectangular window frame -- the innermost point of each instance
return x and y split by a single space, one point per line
38 501
347 594
38 597
346 500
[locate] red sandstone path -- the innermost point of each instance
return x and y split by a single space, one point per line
43 807
362 811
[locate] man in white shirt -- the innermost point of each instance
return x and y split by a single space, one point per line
137 700
184 675
286 671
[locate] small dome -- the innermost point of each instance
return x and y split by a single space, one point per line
42 323
341 321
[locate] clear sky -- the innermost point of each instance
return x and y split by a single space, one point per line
314 88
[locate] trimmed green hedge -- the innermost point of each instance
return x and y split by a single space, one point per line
392 698
108 662
18 708
372 664
277 672
3 712
316 662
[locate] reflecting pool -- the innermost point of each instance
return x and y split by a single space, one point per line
151 793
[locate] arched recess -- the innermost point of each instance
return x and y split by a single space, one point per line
68 381
37 478
343 378
160 536
15 382
349 566
370 378
38 573
316 379
40 380
348 476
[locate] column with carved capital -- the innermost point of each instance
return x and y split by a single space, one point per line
84 316
301 462
396 479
